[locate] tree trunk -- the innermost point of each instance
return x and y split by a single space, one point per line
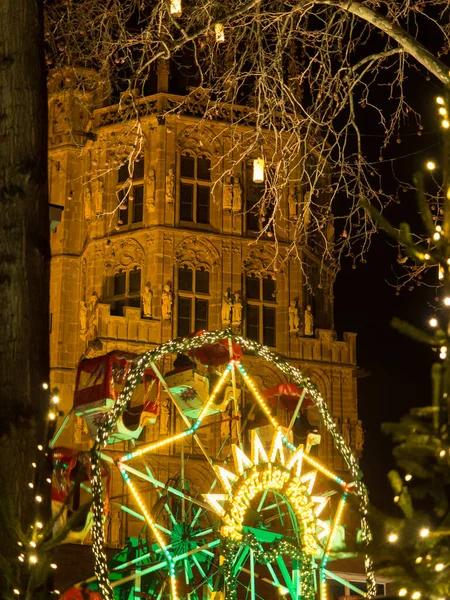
24 278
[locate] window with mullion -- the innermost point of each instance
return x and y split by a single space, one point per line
193 303
131 195
195 192
126 290
260 316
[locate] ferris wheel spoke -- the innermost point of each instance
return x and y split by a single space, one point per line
199 567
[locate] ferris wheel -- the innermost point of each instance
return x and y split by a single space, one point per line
246 508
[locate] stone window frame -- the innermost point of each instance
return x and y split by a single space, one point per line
195 153
262 304
128 192
129 298
193 295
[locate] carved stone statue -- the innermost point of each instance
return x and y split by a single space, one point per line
151 188
226 307
98 190
115 527
237 308
83 319
164 417
166 302
170 187
292 202
92 328
346 431
294 320
147 301
227 195
88 211
237 195
309 321
359 436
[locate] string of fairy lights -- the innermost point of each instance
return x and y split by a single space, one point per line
33 554
133 379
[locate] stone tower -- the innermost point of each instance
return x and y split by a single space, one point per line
159 238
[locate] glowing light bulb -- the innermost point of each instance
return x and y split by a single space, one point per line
39 525
54 565
16 591
424 532
447 301
33 544
220 32
442 453
396 499
436 236
440 100
55 399
175 7
33 559
21 558
402 592
282 590
445 124
392 538
443 111
439 567
416 596
38 498
419 560
433 323
45 386
51 415
426 256
431 165
40 447
31 485
408 477
258 170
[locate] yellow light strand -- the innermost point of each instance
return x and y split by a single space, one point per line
159 538
337 521
155 445
213 395
259 398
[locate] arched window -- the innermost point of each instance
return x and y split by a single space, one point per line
260 295
193 299
125 290
195 188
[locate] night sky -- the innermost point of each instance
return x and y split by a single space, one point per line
365 302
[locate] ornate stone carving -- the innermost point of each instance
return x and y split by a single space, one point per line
83 319
88 208
309 322
92 321
227 195
197 251
151 187
293 202
237 195
98 189
147 301
359 436
166 302
237 308
199 139
123 253
294 321
226 307
260 259
170 187
167 241
346 431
